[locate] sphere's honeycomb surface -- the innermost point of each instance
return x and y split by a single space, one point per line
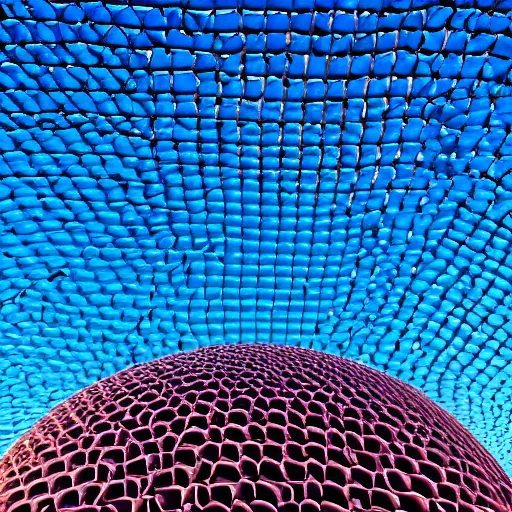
251 428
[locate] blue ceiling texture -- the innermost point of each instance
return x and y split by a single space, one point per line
334 174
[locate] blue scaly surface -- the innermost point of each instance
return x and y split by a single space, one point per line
332 174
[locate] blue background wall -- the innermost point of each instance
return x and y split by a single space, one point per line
332 174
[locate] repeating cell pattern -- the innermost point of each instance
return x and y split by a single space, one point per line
251 428
332 174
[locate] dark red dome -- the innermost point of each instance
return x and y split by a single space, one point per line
250 428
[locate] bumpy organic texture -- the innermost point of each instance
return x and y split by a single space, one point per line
329 173
251 428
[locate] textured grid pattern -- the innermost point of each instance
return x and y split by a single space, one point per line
251 428
328 173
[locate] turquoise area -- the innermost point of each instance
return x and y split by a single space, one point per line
334 174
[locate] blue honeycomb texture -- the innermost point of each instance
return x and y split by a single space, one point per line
333 174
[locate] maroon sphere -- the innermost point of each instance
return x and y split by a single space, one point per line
250 428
